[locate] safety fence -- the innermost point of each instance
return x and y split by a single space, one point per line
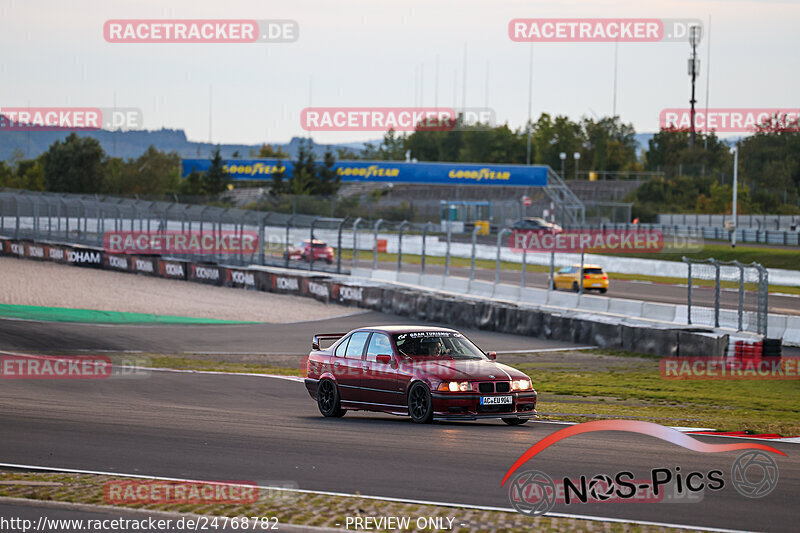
719 233
419 303
761 222
285 240
745 286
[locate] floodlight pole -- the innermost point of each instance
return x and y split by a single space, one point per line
694 39
735 152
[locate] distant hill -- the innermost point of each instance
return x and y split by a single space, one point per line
643 139
127 144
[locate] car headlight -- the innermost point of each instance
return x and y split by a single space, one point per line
521 384
455 386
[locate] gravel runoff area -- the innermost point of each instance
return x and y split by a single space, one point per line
26 282
314 510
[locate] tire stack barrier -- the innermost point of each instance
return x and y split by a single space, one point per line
83 256
420 304
120 262
771 348
144 264
173 269
240 278
207 273
36 251
14 248
285 284
318 288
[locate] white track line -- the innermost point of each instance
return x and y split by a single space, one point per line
378 498
176 370
541 350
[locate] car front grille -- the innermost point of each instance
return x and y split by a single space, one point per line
503 386
505 408
486 387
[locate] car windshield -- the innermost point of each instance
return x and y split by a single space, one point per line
439 344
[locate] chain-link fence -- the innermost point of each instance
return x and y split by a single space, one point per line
730 295
727 294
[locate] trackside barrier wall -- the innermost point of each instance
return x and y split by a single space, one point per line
452 307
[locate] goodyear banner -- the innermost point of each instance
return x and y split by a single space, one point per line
389 171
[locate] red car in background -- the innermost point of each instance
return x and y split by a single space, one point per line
304 250
427 373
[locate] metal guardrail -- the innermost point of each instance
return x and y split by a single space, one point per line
76 219
710 233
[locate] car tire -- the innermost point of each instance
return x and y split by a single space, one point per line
575 287
420 404
515 421
328 400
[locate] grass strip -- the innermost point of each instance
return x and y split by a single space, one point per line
97 316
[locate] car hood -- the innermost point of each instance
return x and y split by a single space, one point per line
462 370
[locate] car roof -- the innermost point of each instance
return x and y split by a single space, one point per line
399 328
586 265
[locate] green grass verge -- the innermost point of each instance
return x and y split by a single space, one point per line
788 258
64 314
189 363
636 389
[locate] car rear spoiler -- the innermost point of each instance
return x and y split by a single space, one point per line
329 336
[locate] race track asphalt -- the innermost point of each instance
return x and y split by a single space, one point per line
222 427
244 338
268 430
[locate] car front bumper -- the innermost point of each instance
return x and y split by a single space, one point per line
466 406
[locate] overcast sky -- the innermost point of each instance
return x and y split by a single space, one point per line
370 53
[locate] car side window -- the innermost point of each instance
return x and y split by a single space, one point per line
565 270
340 350
356 345
379 344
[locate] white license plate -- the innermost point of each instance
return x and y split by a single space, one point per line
495 400
597 284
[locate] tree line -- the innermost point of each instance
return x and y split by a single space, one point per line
694 178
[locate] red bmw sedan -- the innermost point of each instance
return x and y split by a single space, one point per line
427 373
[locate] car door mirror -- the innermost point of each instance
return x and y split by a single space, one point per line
491 355
383 359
